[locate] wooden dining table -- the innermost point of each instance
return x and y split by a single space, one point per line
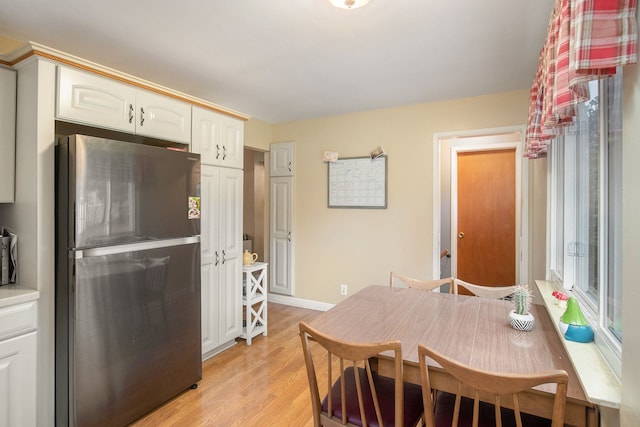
472 330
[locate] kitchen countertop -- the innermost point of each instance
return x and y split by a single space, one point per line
16 294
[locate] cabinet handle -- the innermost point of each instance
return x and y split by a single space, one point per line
224 254
217 258
141 116
224 151
217 151
130 113
290 167
289 236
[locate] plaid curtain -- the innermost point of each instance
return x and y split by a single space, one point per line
586 40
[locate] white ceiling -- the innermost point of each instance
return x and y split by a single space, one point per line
286 60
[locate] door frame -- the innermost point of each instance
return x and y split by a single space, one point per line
480 140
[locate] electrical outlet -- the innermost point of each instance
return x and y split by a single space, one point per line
343 289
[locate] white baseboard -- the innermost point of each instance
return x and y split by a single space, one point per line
299 302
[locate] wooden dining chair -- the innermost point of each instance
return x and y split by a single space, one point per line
445 409
359 396
496 292
400 280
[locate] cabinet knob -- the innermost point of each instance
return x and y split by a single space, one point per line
224 254
217 258
290 167
130 113
217 151
141 116
224 152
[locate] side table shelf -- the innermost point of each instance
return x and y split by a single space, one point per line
254 300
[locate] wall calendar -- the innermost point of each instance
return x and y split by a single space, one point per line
358 182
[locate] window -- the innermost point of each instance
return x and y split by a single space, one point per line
585 204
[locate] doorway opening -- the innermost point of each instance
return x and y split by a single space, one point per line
254 217
446 233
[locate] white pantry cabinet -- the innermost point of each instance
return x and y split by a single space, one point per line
282 237
18 364
91 99
218 138
7 135
221 257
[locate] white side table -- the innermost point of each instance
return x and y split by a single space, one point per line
254 300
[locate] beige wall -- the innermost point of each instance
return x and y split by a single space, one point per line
359 247
257 134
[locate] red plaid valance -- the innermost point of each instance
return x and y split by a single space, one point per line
586 40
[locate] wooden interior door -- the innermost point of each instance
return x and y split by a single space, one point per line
486 223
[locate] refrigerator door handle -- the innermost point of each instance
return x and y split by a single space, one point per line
133 247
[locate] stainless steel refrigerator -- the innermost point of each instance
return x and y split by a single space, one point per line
127 279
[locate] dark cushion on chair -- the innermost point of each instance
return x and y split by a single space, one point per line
385 387
445 403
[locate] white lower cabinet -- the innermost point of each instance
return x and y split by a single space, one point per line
18 365
221 257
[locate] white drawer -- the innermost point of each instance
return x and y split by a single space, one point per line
18 319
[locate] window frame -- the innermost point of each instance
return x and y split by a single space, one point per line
562 210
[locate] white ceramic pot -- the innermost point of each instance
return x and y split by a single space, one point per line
521 322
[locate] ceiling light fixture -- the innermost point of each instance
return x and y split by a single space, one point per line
349 4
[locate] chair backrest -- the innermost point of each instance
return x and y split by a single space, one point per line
342 400
489 386
483 291
400 280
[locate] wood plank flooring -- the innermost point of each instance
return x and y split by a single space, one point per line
263 384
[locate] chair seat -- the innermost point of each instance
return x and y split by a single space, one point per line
444 414
385 390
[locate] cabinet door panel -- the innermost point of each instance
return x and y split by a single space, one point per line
281 253
205 136
230 286
18 379
95 100
7 135
231 242
210 312
282 159
162 117
232 143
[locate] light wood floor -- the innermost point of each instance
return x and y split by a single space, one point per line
264 384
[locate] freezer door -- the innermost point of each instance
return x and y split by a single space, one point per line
134 333
120 192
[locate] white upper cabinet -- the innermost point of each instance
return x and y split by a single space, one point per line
95 100
88 98
232 142
218 138
281 159
7 135
162 117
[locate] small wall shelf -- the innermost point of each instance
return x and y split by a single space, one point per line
254 300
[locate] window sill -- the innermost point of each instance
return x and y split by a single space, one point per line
596 377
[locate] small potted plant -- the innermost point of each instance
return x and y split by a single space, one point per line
520 318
